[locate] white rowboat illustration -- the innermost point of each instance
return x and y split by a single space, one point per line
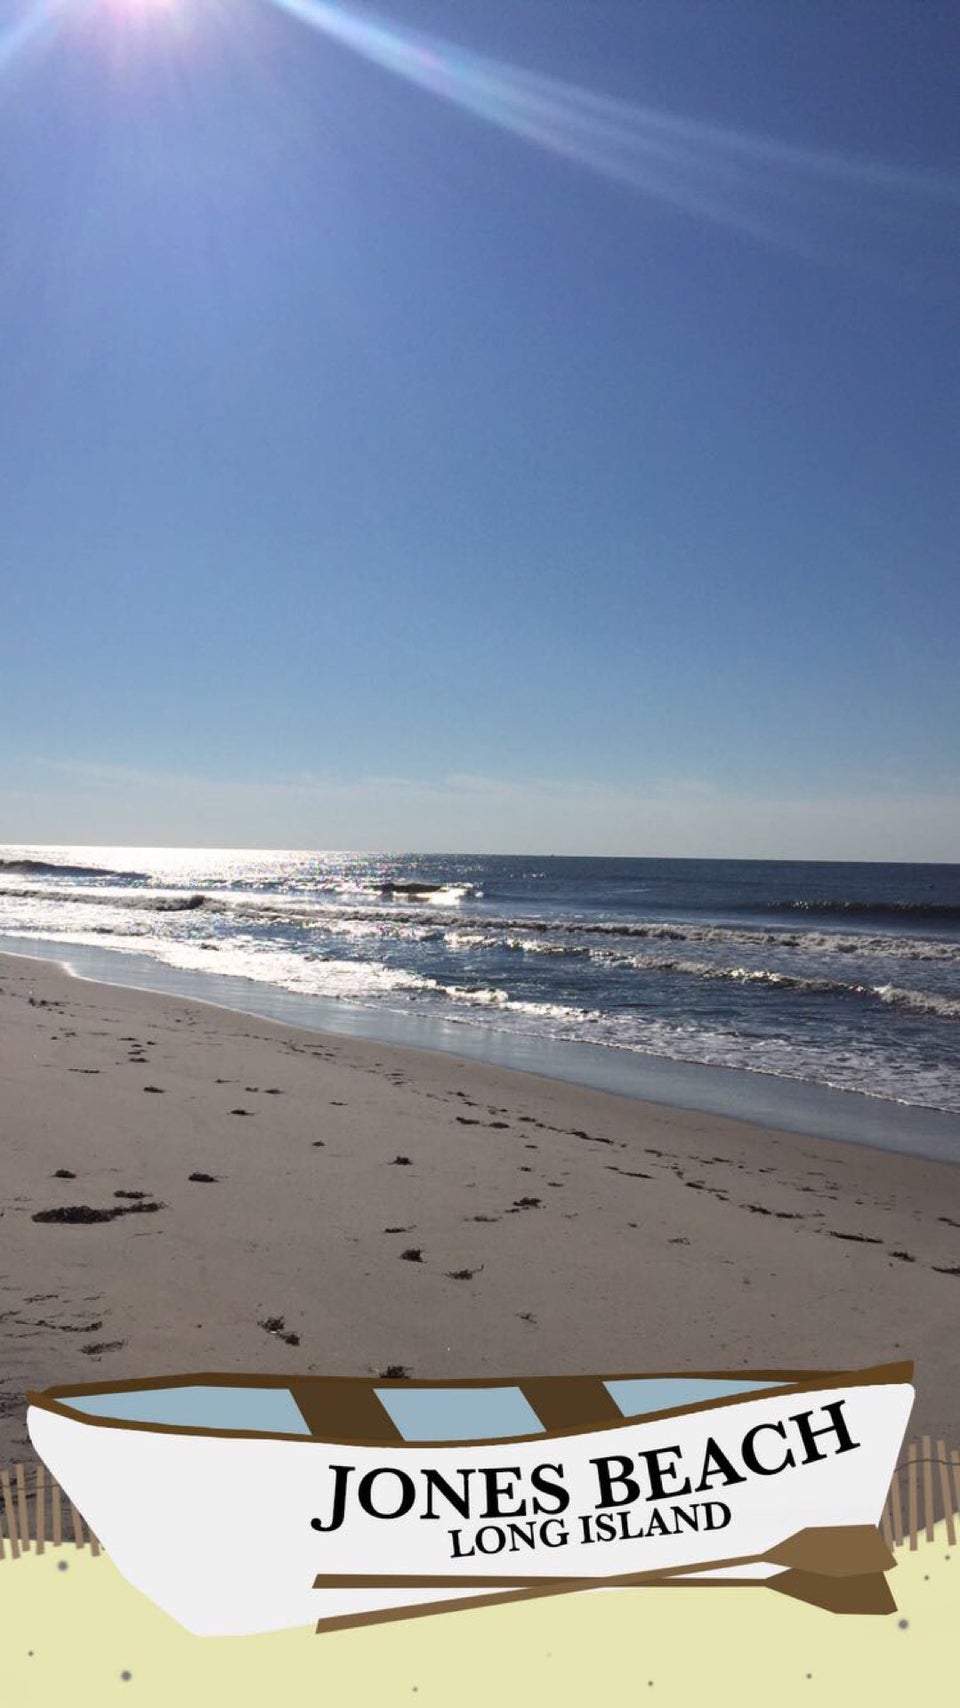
247 1503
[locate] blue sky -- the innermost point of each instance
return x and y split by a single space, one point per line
516 425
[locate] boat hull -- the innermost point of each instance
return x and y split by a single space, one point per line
230 1533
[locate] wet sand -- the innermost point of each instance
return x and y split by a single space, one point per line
188 1188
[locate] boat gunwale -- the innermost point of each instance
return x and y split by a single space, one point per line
56 1401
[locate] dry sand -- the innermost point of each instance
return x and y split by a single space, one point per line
71 1638
556 1229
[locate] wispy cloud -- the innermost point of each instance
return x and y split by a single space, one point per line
72 801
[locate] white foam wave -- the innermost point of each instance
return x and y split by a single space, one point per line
868 1070
309 975
332 910
493 997
921 1001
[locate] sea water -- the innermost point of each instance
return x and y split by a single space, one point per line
843 976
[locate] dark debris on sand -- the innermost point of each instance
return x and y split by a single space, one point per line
84 1213
277 1326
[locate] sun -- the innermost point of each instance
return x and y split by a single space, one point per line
134 8
141 11
133 33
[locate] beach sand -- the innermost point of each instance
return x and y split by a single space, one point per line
372 1209
77 1635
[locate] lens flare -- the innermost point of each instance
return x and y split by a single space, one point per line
140 11
39 21
819 204
897 225
33 23
141 5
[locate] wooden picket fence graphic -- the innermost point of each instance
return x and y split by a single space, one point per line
925 1488
35 1514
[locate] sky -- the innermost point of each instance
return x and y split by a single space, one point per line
510 426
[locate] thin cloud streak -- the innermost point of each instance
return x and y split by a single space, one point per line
72 802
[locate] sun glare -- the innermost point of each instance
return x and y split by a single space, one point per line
131 17
143 8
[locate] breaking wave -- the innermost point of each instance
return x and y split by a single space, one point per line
860 993
524 933
139 901
921 1001
50 868
945 912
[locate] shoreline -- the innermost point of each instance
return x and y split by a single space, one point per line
555 1228
761 1099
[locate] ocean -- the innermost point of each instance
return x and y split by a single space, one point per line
837 976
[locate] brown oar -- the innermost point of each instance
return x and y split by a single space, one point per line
869 1594
839 1568
836 1551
